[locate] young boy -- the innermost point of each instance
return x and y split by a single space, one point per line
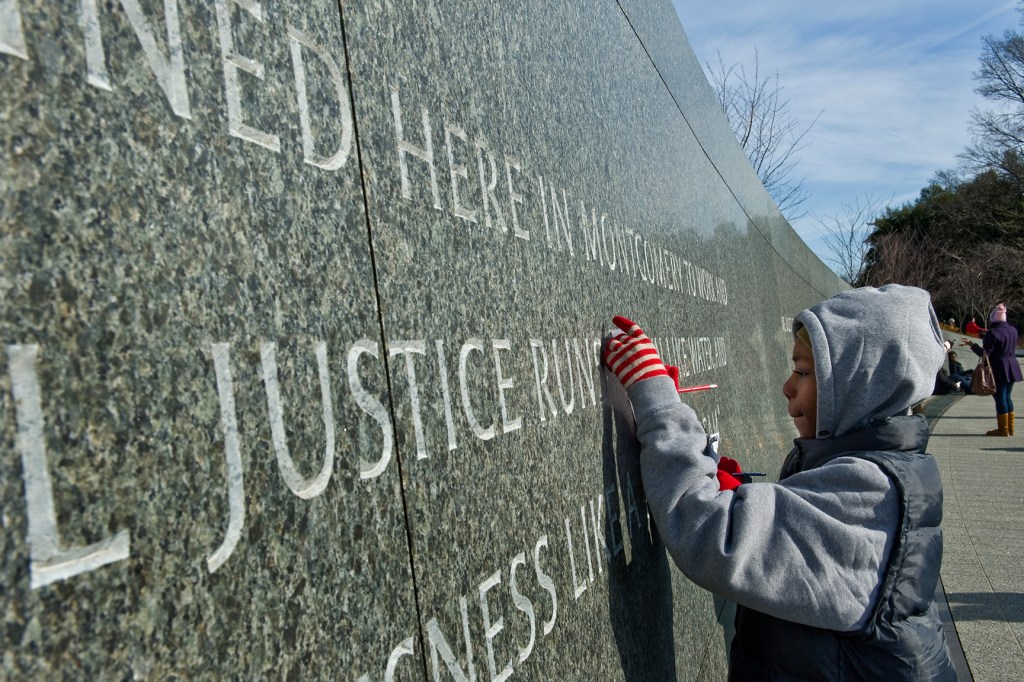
834 567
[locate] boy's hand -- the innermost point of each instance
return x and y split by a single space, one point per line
729 475
673 372
632 356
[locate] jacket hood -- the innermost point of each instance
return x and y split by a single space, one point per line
876 354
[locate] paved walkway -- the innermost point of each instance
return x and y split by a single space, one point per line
983 532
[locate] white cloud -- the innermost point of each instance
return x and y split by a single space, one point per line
892 81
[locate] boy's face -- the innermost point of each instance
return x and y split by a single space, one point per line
801 390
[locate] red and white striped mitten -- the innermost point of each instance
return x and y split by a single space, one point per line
632 356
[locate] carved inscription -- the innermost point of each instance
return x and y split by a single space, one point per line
563 367
169 67
572 230
588 552
532 382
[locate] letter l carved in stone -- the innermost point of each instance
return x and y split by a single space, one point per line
48 561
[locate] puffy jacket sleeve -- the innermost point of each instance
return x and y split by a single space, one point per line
810 549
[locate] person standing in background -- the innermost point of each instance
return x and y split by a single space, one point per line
1000 342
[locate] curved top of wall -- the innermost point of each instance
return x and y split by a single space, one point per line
658 29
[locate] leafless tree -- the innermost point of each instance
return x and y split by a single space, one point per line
903 258
998 133
962 284
770 134
968 281
1000 280
846 234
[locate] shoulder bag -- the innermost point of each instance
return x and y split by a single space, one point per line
983 382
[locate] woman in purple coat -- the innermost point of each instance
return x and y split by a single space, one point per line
1000 342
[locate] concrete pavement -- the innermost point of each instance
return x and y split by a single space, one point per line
983 531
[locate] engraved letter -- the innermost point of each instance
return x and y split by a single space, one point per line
503 385
622 249
608 256
515 198
371 406
336 160
481 432
438 644
169 69
595 514
12 36
544 206
546 582
567 406
649 263
406 147
456 171
613 522
524 604
446 395
487 189
578 587
232 453
306 489
632 254
586 378
232 63
491 630
406 348
48 562
563 214
589 232
633 510
95 57
402 650
586 540
542 382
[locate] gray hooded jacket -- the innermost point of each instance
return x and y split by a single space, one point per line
812 549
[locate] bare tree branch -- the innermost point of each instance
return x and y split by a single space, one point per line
771 136
846 234
998 134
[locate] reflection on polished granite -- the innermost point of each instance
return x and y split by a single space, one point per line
301 319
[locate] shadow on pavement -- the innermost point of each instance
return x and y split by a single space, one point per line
987 606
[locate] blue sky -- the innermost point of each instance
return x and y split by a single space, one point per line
892 80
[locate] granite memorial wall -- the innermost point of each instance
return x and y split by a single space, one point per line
302 305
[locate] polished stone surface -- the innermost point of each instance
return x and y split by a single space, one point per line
239 236
156 264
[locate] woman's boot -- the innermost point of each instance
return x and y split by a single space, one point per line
1003 430
1009 423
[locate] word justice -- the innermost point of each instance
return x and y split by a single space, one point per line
477 360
